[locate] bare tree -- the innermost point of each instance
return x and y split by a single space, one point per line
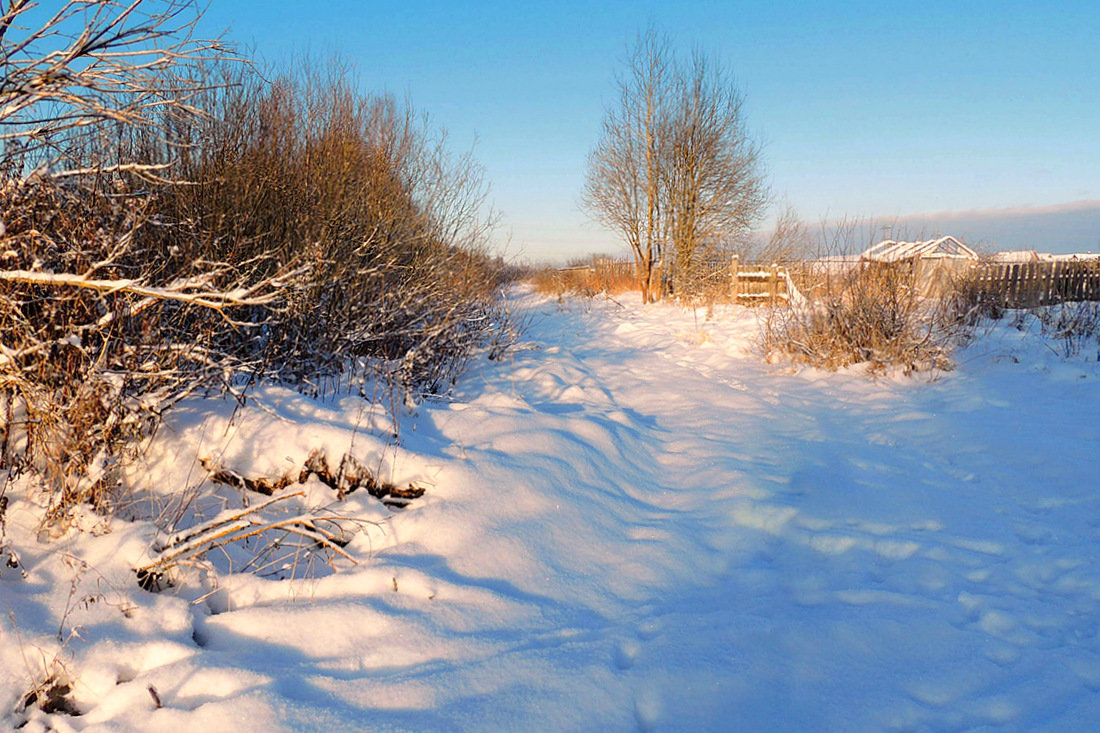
714 188
623 186
790 241
675 169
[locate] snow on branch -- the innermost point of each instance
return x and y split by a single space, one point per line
194 291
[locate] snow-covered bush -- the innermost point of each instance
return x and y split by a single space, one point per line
103 325
307 171
101 322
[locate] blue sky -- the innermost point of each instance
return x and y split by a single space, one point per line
865 109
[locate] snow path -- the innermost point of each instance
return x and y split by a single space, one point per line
836 554
638 524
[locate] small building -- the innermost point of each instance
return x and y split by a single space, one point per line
936 263
944 248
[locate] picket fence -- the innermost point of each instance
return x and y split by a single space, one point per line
1029 284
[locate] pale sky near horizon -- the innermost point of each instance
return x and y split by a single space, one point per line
865 109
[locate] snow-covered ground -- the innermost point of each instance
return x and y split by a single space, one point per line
634 523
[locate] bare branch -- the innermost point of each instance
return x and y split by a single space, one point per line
93 62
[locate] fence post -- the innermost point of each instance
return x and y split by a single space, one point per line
735 277
773 283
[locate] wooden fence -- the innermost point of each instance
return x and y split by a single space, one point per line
760 285
1028 284
754 285
1014 285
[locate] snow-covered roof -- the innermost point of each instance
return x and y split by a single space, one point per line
1076 257
1024 255
944 247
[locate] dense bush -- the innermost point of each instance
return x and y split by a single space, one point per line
103 327
305 171
239 230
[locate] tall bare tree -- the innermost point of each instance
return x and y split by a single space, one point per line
714 191
675 169
623 186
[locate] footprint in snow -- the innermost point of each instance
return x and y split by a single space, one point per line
626 653
647 709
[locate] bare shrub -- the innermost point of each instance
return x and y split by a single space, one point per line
308 170
217 232
103 329
873 314
1072 325
790 242
710 286
969 302
102 325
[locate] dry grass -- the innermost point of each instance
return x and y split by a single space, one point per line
586 277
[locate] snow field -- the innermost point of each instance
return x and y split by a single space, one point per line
633 524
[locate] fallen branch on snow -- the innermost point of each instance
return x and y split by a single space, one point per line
326 533
350 476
